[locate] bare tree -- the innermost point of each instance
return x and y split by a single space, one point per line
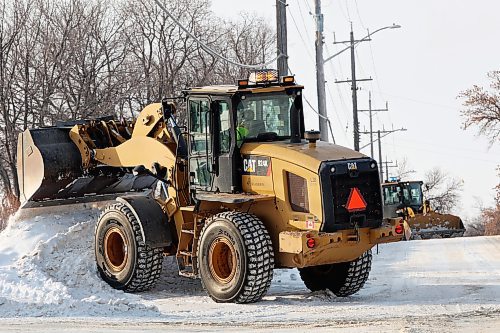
482 107
93 64
475 227
442 190
247 41
482 110
13 22
491 218
76 59
167 59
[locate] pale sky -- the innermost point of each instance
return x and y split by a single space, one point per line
442 48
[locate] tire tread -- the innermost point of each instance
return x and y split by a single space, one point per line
149 261
260 255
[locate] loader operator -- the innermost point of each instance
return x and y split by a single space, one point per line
244 125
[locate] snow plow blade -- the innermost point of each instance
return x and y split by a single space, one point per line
49 168
436 225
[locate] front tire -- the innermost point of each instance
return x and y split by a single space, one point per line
236 258
343 279
123 260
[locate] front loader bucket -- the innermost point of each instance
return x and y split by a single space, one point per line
436 225
49 168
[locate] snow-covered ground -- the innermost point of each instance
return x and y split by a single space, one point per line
48 280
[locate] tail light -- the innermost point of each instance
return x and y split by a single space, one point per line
399 229
311 242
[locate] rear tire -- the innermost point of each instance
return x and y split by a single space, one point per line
123 260
236 258
343 279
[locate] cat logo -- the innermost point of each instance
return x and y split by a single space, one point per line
256 165
249 165
352 166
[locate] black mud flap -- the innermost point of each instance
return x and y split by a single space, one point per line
152 219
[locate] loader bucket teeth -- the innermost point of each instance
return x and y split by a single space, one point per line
50 171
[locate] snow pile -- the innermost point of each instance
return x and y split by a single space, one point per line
47 268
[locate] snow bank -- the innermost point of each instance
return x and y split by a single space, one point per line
47 268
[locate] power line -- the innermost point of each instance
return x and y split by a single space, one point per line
385 133
321 116
379 139
304 22
300 35
418 101
359 16
348 13
460 157
315 111
334 107
210 50
309 7
340 93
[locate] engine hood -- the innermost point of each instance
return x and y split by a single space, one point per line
301 154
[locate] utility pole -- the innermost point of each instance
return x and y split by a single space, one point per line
379 139
353 81
371 111
320 72
353 43
282 43
380 167
387 166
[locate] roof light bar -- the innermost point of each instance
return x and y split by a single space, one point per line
264 76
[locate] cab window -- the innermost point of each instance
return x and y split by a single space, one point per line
264 114
200 141
225 127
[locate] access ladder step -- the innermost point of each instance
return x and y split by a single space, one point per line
187 274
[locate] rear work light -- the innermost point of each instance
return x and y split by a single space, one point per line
399 229
242 83
288 80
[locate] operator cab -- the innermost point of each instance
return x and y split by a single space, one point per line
262 108
398 195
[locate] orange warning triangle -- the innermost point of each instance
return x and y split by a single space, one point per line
356 202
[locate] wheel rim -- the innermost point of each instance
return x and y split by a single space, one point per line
115 249
222 260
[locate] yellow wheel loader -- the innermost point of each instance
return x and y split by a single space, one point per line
241 190
406 199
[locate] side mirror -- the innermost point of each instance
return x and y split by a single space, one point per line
169 108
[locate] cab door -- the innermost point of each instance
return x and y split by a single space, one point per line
224 147
200 143
212 149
